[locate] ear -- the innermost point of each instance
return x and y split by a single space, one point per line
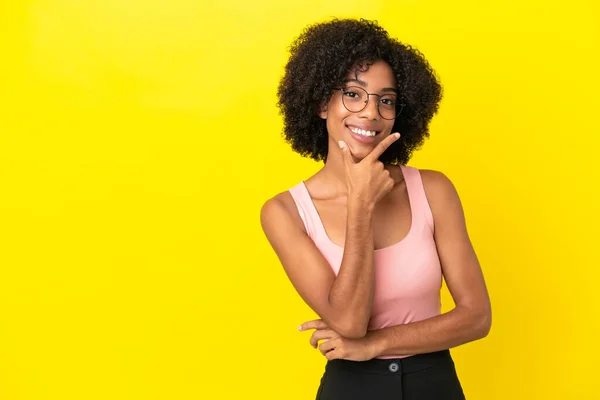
323 111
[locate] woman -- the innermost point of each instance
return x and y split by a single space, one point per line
367 240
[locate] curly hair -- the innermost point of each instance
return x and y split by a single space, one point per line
320 59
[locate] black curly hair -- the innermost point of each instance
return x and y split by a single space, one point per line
321 58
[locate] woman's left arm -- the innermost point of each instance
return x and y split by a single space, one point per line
471 318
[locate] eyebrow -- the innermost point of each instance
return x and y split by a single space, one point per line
363 83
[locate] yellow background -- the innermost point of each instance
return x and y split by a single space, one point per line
139 138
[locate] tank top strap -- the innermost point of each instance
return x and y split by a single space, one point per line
416 195
306 208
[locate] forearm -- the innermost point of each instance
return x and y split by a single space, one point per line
459 326
351 294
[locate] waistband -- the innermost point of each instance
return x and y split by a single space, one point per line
406 365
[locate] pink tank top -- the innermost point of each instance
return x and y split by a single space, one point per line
408 274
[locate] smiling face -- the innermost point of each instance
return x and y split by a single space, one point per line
364 129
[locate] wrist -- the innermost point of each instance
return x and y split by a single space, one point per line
360 207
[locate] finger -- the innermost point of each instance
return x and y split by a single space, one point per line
322 334
346 153
334 354
381 147
329 345
314 324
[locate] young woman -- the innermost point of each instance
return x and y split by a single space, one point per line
367 240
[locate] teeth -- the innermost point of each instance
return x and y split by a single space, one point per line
363 132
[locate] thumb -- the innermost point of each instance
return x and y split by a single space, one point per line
346 154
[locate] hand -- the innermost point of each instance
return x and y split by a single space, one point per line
335 346
368 180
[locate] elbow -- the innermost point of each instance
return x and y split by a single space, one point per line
477 321
355 333
483 324
352 330
348 324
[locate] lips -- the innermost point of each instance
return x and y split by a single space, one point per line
366 130
362 139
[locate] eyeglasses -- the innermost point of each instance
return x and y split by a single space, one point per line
355 99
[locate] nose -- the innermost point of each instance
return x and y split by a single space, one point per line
371 111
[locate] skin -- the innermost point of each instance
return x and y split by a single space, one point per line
357 199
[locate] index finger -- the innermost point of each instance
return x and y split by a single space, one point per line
381 147
314 324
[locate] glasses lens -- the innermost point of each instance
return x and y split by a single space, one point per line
387 106
354 98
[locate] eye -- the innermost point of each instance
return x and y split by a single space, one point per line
388 101
351 94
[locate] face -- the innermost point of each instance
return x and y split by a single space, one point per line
351 126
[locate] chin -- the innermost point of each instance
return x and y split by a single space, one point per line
359 150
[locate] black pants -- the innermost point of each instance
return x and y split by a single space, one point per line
429 376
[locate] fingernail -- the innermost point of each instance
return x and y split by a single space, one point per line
300 328
397 135
342 144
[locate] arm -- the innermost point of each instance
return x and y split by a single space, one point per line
343 302
471 318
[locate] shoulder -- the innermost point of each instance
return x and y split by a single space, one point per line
277 205
435 181
279 209
439 189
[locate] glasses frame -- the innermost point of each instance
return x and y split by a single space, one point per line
343 89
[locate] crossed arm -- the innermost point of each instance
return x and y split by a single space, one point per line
470 319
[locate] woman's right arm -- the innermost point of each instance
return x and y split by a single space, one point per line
343 302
